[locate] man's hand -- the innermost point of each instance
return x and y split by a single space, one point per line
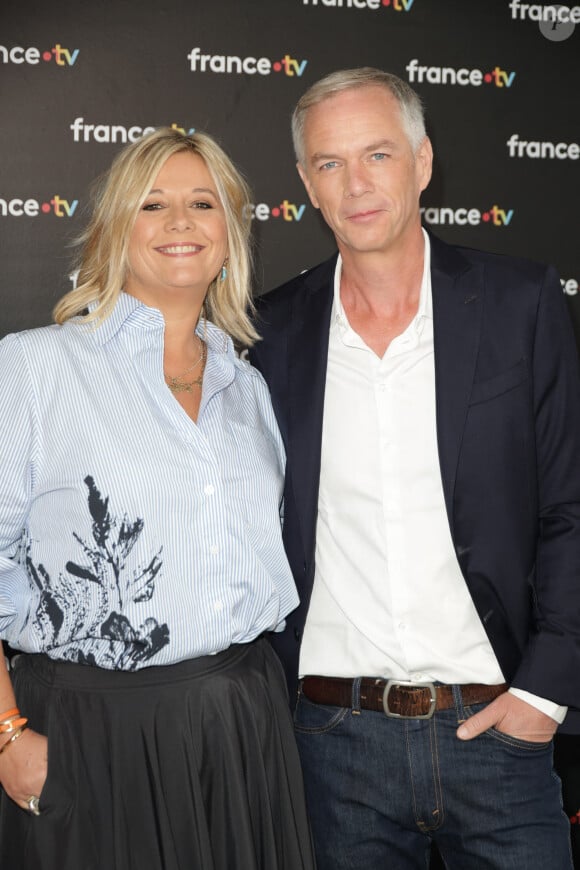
512 716
23 767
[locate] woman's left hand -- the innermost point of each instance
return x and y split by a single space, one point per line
23 768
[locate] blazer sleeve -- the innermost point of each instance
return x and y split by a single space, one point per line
551 661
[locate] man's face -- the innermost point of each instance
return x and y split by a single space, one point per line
360 170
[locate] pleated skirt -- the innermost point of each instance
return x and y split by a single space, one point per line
187 767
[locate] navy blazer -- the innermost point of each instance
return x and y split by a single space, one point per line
507 386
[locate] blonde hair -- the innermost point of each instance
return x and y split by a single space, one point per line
410 106
103 260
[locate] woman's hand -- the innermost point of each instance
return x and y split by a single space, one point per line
23 767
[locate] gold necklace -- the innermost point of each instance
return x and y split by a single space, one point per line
178 385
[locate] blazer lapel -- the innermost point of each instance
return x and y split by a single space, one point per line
458 297
458 293
308 353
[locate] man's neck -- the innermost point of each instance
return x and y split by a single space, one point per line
380 292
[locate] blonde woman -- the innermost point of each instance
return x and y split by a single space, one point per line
145 722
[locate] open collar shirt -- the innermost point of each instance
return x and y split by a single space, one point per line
389 598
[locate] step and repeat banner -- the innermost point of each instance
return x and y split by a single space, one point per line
500 80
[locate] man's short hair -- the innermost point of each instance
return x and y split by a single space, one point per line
411 107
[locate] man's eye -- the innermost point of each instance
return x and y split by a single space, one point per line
330 164
379 156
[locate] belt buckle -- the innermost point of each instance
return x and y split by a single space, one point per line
432 703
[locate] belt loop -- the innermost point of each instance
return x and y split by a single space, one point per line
299 691
355 697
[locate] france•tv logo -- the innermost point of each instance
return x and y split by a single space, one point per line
58 54
57 206
286 210
395 5
232 64
494 216
448 75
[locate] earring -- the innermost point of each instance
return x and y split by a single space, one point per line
224 271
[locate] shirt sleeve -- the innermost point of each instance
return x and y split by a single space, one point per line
17 434
555 711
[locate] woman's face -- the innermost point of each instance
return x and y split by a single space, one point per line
179 240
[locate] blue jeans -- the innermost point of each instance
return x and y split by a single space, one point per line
380 789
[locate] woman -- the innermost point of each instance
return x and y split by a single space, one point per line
146 724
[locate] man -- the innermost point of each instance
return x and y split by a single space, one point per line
429 398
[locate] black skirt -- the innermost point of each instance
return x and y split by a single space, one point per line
187 767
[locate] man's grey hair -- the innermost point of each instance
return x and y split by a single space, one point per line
410 105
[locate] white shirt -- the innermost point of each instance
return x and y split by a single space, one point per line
389 598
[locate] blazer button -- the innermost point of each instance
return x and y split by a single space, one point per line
297 633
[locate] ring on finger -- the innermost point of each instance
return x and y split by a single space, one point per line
32 805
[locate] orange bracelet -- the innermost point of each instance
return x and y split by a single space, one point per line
4 716
14 737
12 724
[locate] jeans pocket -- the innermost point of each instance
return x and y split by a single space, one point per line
311 718
509 740
528 746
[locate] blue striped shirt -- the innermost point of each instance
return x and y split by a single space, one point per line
129 535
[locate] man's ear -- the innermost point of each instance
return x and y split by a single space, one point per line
309 189
424 163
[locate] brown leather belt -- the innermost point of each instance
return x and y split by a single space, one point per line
395 698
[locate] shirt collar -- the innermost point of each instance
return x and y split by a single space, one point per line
131 313
425 308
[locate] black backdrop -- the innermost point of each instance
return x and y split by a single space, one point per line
78 80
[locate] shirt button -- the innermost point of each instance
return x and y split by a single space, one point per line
218 605
402 626
209 489
214 549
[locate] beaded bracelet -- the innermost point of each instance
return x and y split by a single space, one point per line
14 737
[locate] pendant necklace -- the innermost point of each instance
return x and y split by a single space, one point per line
178 385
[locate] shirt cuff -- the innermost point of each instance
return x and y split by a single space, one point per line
555 711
